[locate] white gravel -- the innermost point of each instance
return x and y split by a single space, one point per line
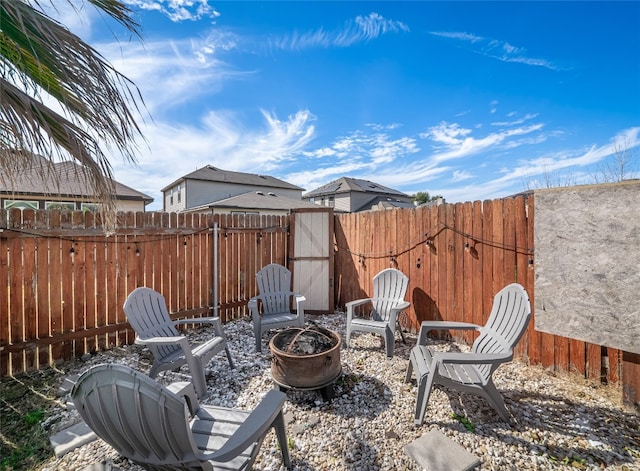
563 421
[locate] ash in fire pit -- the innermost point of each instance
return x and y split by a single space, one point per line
307 341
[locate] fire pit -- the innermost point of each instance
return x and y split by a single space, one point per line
306 359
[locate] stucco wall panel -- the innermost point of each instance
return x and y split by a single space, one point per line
587 263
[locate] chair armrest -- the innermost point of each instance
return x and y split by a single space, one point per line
253 302
159 340
351 304
252 429
471 358
428 326
299 299
186 390
214 321
199 320
401 306
357 302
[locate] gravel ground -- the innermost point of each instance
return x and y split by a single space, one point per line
562 421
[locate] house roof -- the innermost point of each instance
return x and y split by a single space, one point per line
257 200
213 174
66 178
346 185
385 202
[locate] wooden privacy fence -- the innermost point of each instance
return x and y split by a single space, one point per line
457 257
63 281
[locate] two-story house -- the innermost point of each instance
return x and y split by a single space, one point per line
61 185
209 187
350 195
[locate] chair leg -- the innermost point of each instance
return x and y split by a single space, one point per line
348 335
257 331
425 384
197 376
389 341
496 400
226 349
154 370
281 435
407 376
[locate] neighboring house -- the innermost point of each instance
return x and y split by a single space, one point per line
61 185
253 202
352 195
209 184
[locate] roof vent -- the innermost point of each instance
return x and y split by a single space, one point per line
271 193
259 193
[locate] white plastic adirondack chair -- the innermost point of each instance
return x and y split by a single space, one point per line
147 313
389 289
472 372
164 428
274 286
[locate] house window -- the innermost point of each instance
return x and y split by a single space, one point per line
171 199
61 205
20 204
94 207
331 202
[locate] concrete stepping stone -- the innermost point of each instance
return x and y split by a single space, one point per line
435 452
71 438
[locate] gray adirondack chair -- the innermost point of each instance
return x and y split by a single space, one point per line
389 289
472 372
147 313
271 309
164 428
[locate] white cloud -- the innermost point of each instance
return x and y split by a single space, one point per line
500 50
169 73
178 10
515 122
458 143
460 175
362 29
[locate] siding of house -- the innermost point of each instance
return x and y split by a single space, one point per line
358 199
124 206
202 192
175 198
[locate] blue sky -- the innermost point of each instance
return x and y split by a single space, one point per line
467 100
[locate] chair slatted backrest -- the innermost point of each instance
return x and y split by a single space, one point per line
146 311
505 326
389 289
140 418
274 285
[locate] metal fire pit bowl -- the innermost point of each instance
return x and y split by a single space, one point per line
294 369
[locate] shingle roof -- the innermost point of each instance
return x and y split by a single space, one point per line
346 184
258 200
213 174
59 178
386 203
